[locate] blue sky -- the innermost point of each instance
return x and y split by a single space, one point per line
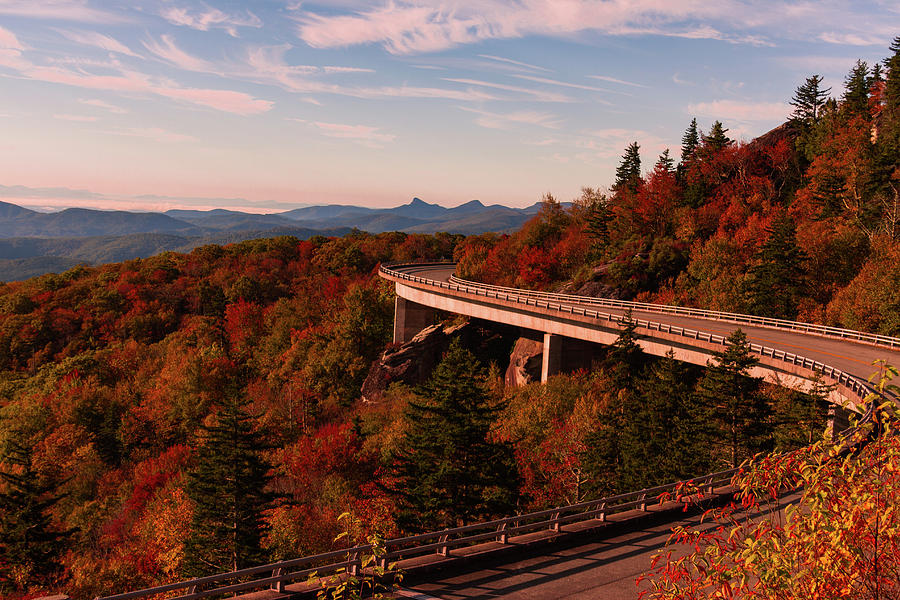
271 104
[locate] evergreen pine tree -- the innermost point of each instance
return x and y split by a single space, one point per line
628 173
597 217
739 413
446 471
228 489
776 280
602 457
689 141
663 440
800 418
856 90
624 358
30 547
889 131
665 162
808 101
716 139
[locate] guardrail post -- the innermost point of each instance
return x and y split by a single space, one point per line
602 509
710 487
643 500
278 586
554 521
353 563
503 538
443 549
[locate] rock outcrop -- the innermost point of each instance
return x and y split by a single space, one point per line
411 363
524 362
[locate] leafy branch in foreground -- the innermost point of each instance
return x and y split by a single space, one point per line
371 576
841 540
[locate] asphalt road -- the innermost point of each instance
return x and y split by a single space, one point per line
602 570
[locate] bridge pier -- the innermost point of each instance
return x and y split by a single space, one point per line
410 318
551 361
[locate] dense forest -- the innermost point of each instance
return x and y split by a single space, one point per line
194 413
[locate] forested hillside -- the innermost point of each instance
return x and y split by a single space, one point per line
801 223
152 408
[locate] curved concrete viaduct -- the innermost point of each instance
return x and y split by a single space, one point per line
790 354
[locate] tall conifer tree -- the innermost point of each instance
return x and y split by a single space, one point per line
808 101
689 141
663 439
776 281
30 546
447 470
228 487
716 139
628 173
739 412
856 90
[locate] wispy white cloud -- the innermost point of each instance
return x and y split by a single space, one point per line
735 110
515 63
130 81
59 10
363 134
98 40
614 80
576 86
410 27
156 134
75 118
166 49
539 95
104 105
9 41
855 39
267 64
210 18
506 120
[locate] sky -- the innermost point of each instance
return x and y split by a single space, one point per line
269 105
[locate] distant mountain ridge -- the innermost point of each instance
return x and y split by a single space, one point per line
31 240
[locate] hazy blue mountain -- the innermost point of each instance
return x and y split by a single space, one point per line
11 211
21 258
329 211
233 220
83 221
31 241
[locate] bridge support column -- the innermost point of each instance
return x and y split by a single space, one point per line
410 318
552 358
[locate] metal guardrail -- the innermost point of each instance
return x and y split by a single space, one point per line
275 576
854 384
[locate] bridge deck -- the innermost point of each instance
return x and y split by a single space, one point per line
851 356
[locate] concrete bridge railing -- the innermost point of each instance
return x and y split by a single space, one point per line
812 328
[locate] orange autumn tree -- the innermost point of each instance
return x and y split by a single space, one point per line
841 540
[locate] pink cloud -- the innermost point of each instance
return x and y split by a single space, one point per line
75 118
735 110
166 49
211 18
224 100
539 95
505 120
9 41
369 136
67 10
132 82
98 40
